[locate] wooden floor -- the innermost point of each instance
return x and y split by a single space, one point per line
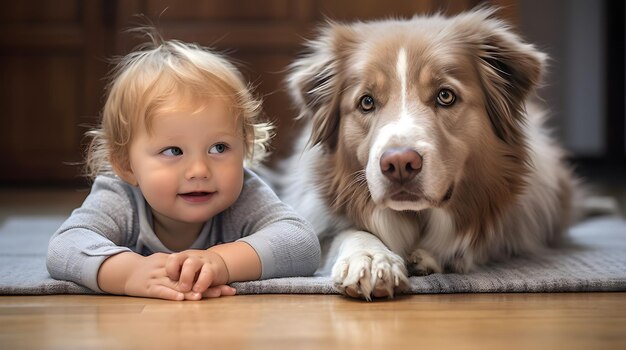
458 321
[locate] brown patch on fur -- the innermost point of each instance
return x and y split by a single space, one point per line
508 71
342 183
320 94
489 188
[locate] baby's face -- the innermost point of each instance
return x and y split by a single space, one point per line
190 166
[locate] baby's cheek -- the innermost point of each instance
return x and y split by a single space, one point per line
159 187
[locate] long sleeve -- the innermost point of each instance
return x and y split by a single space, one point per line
103 226
284 241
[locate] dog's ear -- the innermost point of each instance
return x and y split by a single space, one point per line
510 70
315 82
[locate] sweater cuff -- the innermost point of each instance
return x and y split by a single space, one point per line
91 266
266 255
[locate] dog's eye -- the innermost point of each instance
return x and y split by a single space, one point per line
367 103
445 98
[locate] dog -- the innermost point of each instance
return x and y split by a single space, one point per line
423 151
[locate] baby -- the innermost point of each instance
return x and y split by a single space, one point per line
173 213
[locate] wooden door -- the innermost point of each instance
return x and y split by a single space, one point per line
52 60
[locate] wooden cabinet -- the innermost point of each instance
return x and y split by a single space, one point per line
51 67
53 62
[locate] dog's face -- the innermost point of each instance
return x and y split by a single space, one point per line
417 105
412 114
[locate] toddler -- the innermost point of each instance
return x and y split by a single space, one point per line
173 213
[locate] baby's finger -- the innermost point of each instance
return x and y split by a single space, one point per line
193 296
227 290
163 292
205 278
188 273
217 291
173 265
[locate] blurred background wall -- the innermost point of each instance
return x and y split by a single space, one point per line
53 63
584 88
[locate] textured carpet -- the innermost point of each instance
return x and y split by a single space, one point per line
595 260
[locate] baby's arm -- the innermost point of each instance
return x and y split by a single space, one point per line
100 228
284 242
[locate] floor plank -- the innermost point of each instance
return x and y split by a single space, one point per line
466 321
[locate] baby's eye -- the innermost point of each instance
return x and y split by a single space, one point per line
218 148
172 151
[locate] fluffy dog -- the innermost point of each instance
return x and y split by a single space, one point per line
424 153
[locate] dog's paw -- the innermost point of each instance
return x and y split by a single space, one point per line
370 274
421 263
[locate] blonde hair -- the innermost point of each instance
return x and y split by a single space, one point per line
159 75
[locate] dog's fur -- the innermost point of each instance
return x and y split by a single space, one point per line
395 178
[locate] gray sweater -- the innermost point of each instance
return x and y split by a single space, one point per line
115 218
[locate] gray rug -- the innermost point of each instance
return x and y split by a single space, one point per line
594 261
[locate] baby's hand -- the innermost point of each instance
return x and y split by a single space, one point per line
199 273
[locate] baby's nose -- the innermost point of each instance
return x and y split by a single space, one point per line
198 169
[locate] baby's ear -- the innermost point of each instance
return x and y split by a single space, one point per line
122 168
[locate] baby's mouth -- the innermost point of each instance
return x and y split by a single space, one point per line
197 196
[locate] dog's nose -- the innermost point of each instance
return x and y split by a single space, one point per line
400 164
